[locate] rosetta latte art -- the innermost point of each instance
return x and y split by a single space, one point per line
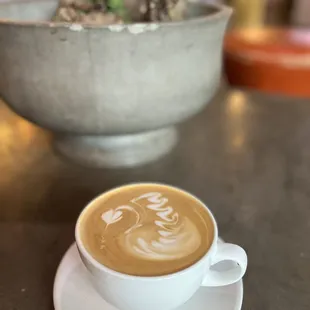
162 236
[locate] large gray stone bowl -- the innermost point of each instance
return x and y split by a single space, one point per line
111 95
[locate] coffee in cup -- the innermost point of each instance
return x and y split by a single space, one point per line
147 230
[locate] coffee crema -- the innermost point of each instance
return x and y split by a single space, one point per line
146 230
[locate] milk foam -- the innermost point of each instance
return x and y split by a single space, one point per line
168 237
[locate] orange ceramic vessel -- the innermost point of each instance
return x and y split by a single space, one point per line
271 60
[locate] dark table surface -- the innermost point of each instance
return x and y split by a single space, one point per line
246 155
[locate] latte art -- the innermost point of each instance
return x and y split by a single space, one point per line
170 237
147 229
179 244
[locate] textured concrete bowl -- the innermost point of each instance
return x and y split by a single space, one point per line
112 95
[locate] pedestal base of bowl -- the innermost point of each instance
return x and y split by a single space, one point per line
117 151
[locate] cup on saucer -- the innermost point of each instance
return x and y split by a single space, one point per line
152 246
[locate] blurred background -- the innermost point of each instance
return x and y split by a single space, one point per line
267 46
255 13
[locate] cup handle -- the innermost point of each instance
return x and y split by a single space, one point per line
227 252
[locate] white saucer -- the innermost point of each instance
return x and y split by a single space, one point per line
73 291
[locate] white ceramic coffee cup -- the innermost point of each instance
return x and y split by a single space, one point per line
127 292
